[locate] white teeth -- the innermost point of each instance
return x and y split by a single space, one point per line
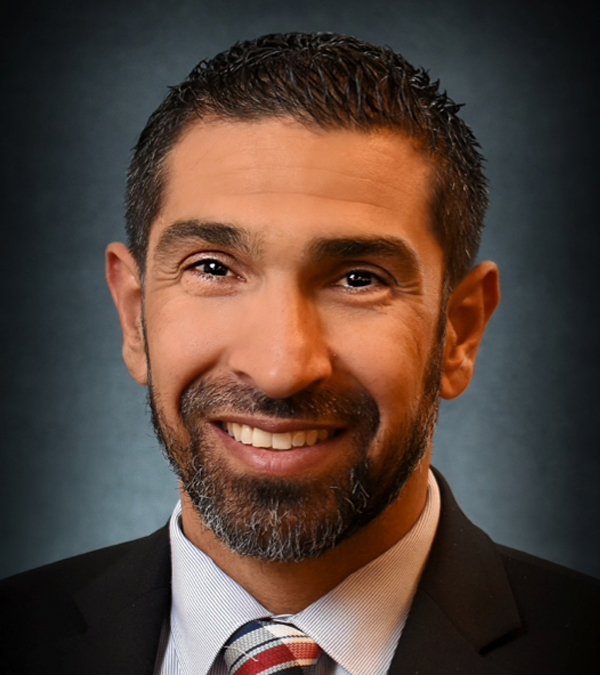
246 436
282 441
259 438
299 439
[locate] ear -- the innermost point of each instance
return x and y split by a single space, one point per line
125 285
470 307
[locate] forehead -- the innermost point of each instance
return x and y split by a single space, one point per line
284 178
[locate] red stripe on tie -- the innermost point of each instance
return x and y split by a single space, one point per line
304 650
262 661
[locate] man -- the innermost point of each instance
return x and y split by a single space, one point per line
299 289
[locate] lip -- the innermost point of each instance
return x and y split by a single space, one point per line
293 462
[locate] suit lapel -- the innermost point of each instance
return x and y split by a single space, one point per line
124 610
464 602
431 644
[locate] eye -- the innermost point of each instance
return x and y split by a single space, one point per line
204 275
360 279
213 268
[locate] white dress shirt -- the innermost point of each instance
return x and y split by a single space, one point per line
357 624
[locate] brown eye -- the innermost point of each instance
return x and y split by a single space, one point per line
213 268
359 279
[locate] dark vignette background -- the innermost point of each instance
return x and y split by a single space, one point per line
80 466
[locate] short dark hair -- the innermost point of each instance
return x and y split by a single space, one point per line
333 82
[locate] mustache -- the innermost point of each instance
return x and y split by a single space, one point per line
210 398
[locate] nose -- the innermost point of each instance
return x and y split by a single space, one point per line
281 348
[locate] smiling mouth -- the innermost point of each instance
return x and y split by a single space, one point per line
259 438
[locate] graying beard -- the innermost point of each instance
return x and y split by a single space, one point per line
269 534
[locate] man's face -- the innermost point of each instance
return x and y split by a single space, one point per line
292 314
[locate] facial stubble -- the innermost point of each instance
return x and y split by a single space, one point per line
276 519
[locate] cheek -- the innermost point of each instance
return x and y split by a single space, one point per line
184 342
387 355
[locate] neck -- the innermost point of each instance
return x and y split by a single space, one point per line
287 588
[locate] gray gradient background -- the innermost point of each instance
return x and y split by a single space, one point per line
80 466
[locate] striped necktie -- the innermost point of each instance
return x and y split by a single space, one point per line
261 647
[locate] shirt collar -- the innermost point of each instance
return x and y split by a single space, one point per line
208 606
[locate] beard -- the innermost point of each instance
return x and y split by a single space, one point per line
283 520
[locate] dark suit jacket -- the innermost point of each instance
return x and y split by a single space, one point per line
479 608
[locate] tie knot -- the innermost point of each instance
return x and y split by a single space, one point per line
261 647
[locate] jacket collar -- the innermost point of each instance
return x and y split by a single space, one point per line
464 602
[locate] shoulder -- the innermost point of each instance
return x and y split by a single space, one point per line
518 612
67 574
559 611
551 591
64 577
50 602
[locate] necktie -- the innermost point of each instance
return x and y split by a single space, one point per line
261 647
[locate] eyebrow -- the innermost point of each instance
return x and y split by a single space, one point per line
359 247
215 233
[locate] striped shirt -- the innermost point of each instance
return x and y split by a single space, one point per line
357 624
